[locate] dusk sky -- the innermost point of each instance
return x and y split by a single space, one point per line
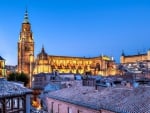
77 27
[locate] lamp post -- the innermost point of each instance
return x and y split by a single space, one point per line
30 76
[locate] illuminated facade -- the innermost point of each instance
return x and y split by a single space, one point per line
45 63
65 64
2 67
135 58
25 46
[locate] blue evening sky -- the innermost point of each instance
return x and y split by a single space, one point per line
77 27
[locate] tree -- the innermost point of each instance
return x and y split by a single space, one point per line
12 77
18 77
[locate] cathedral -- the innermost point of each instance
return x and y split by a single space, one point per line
44 63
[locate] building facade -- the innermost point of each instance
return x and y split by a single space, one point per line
45 63
55 105
138 64
14 98
2 67
65 64
25 46
135 58
86 99
10 69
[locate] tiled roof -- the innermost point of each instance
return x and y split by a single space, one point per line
120 100
8 89
56 56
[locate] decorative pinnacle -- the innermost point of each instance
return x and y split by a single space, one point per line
43 51
26 19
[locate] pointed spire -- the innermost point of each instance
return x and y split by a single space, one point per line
43 51
26 19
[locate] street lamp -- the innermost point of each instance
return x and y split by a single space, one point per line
31 62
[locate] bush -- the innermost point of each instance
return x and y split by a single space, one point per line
18 77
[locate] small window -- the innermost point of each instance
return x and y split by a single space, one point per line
58 107
69 110
79 111
52 105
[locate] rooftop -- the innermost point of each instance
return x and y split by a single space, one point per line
116 99
141 54
1 58
8 89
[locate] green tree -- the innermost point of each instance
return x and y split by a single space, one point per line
12 77
18 77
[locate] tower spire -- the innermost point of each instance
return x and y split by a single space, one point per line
43 50
26 19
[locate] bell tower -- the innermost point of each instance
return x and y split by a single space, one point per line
25 46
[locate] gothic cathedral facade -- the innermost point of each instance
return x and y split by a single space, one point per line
45 63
